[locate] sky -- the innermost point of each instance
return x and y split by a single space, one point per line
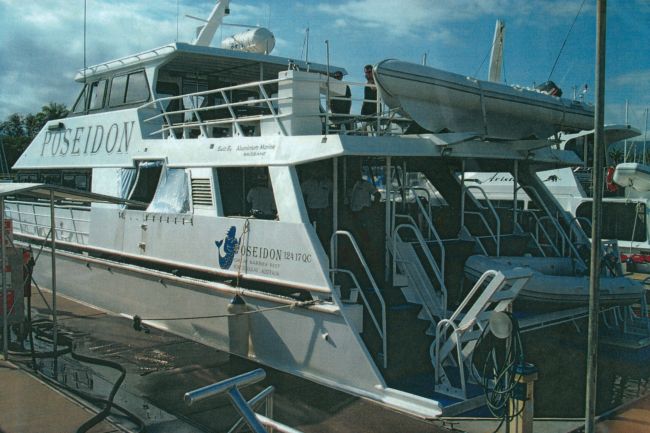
42 43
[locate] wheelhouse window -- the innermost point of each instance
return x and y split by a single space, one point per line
129 89
97 94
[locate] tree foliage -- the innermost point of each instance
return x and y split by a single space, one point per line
17 131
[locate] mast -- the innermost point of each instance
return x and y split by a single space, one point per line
496 57
220 10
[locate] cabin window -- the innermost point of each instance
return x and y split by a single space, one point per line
80 105
622 221
137 89
129 89
246 192
97 93
118 87
172 193
146 181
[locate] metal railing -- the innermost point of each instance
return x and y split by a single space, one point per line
254 421
496 237
239 114
430 303
565 239
67 227
375 288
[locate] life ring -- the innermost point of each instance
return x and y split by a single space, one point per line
609 180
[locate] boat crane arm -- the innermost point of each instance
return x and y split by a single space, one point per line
204 38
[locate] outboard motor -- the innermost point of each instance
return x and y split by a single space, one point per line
549 88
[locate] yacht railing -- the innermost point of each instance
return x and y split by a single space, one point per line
373 284
432 229
244 117
254 422
431 305
381 329
496 237
68 220
565 239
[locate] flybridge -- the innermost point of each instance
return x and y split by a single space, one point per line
90 139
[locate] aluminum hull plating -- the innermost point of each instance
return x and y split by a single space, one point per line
439 100
300 341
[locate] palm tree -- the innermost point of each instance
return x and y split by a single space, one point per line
53 111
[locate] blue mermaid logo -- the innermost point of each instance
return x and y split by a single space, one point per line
230 247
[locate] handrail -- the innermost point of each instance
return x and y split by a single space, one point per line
437 241
434 267
375 288
532 192
497 239
381 330
538 226
262 102
255 422
449 322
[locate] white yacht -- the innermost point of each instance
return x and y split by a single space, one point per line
183 132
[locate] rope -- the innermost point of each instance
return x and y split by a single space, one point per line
137 320
565 39
245 231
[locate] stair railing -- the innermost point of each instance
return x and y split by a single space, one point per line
496 237
532 192
430 303
375 288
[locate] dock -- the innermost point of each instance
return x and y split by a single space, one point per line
160 368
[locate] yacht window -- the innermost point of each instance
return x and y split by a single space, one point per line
146 181
620 220
172 193
118 86
137 89
80 105
97 93
246 192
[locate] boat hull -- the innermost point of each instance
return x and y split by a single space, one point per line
554 281
439 100
633 175
319 343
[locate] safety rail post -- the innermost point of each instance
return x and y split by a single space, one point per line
375 288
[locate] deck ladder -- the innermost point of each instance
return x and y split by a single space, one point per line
457 336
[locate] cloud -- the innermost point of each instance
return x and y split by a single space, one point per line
413 17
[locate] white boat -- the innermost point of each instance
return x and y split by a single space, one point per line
633 175
556 281
184 132
439 100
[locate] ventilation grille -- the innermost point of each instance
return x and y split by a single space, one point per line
201 192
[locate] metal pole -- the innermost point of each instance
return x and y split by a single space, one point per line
327 108
388 181
5 309
594 277
626 123
55 328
